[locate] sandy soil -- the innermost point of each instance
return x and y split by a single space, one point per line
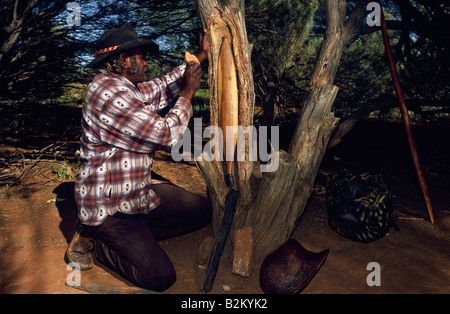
37 222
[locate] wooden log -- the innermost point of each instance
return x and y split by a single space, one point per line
243 251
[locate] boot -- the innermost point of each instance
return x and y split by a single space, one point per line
80 248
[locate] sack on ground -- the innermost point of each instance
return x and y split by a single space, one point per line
359 206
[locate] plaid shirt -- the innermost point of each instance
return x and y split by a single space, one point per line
121 130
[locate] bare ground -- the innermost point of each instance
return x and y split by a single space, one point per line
37 217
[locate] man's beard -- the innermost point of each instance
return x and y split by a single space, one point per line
136 70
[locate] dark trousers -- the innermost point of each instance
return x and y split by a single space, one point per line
128 244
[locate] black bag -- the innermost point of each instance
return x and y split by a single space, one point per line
359 206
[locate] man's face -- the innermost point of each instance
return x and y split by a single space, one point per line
134 67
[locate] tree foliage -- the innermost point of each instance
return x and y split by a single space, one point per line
423 48
31 55
279 31
420 51
40 53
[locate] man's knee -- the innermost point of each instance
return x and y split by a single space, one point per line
161 280
203 211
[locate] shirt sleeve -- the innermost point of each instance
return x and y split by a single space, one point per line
128 122
164 90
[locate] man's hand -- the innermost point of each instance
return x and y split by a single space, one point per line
193 71
192 76
202 55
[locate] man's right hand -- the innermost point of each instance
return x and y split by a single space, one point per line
192 76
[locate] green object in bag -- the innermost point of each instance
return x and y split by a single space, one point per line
359 206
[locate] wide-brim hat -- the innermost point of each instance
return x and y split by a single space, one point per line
290 268
117 40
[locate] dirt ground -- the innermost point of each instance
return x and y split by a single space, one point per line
37 218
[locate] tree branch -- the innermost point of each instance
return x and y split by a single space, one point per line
335 12
355 21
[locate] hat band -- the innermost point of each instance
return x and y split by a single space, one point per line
105 50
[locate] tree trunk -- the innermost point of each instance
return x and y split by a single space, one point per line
226 19
271 203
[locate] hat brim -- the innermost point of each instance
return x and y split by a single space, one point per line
145 44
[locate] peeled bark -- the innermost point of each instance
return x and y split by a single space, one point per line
228 105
